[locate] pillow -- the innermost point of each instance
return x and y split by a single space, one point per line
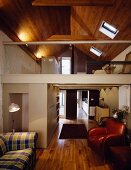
3 146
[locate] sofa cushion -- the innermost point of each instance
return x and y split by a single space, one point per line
121 157
16 160
3 146
96 141
115 126
20 140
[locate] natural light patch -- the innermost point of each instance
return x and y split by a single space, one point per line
96 51
66 65
108 30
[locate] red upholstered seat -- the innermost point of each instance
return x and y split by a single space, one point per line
96 142
101 138
121 157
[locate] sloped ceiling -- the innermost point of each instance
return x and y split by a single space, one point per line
22 21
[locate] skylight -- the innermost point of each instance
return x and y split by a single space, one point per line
96 51
108 30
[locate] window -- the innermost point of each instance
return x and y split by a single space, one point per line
96 51
108 30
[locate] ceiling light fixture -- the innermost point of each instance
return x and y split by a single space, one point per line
108 30
39 54
23 36
96 51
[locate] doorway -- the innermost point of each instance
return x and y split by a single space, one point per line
82 104
74 104
62 108
78 104
71 104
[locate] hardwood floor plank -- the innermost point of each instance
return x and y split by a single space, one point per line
69 154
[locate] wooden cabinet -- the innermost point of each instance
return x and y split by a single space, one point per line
101 112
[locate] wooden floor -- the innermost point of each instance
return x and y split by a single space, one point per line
69 154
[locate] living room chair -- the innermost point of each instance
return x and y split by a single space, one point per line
121 157
101 138
18 150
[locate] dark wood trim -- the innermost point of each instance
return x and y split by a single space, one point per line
72 60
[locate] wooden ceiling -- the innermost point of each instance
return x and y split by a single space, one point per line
39 20
71 2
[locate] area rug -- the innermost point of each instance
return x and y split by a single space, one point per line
73 131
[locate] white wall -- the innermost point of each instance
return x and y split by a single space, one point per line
16 60
125 99
91 79
50 66
37 103
1 112
2 54
51 111
111 97
25 112
13 60
38 112
19 62
124 96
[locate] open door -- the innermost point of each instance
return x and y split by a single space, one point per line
71 104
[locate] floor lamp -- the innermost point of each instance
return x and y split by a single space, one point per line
13 108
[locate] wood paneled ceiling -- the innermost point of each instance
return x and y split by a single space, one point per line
27 20
71 2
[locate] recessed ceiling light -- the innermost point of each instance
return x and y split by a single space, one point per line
96 51
108 30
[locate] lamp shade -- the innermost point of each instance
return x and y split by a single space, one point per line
14 107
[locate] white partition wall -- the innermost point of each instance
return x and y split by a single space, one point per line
124 96
37 103
125 99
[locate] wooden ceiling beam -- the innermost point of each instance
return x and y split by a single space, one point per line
81 23
70 37
72 2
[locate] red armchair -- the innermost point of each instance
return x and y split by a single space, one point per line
101 138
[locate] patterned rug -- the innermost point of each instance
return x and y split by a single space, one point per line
73 131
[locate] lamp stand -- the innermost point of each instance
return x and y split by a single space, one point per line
13 130
13 108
